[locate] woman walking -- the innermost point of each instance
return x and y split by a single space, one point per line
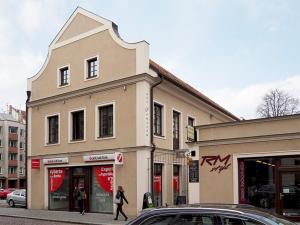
120 198
81 198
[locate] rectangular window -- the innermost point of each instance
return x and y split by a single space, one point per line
1 172
12 156
0 156
53 129
0 143
158 119
191 121
176 129
22 132
106 122
21 170
12 170
77 125
13 130
21 145
21 158
13 144
64 76
92 67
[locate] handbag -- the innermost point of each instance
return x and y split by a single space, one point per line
117 200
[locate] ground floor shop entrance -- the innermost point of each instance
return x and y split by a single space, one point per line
271 183
96 180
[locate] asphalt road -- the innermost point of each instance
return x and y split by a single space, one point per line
21 221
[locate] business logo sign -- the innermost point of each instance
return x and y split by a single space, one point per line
117 157
216 162
35 163
56 161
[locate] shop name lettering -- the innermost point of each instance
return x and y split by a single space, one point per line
56 173
100 157
53 161
216 162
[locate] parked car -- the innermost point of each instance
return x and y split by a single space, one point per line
17 198
5 192
208 214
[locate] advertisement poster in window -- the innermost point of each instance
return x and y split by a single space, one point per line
58 188
102 189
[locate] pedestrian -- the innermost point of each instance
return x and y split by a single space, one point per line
81 197
119 200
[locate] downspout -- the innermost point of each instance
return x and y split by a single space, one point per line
152 135
26 147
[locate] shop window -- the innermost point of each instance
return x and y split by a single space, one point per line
77 125
158 119
58 179
157 184
106 121
53 129
176 130
290 161
102 189
176 182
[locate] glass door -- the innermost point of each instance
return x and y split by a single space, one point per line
290 194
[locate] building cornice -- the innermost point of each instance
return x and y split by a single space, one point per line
92 89
243 140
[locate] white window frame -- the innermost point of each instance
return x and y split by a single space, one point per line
97 133
180 128
85 74
70 124
187 122
46 130
58 76
163 125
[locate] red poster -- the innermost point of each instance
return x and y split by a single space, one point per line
176 183
105 177
56 177
157 184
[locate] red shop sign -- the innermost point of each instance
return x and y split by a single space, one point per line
56 178
105 177
35 163
157 184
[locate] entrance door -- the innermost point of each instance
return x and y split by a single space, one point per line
290 194
80 178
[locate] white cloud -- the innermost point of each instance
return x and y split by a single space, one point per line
243 102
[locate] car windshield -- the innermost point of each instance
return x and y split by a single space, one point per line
277 220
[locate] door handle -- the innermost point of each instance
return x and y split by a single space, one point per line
281 195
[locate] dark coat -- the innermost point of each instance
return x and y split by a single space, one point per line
120 194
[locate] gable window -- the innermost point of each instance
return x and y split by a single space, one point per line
106 121
64 75
53 132
77 125
176 131
158 109
191 121
91 67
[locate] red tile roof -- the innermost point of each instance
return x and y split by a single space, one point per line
180 83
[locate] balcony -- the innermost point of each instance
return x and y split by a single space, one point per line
13 136
12 150
12 175
12 163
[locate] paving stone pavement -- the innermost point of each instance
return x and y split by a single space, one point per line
62 216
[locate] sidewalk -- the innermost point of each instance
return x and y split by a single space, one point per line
62 216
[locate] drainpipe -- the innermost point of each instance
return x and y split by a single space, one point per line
152 135
26 147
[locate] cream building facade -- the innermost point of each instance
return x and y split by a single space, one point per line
89 121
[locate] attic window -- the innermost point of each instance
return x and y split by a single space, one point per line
63 76
92 67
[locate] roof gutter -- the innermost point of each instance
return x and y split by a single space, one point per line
153 146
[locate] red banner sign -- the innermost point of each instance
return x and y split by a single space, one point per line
56 177
105 177
35 163
157 184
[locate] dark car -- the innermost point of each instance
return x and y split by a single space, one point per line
208 214
5 192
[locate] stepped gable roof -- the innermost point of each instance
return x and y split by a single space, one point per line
175 80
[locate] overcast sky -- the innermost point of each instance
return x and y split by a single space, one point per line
233 51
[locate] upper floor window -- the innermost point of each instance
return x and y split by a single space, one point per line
176 130
0 143
0 156
22 132
1 172
21 145
53 132
12 156
92 67
77 125
106 120
158 109
191 121
64 76
21 157
13 144
12 170
21 170
13 130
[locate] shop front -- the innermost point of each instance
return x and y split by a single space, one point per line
272 183
96 176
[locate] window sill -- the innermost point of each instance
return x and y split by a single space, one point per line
105 138
76 141
51 144
159 136
62 86
91 78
